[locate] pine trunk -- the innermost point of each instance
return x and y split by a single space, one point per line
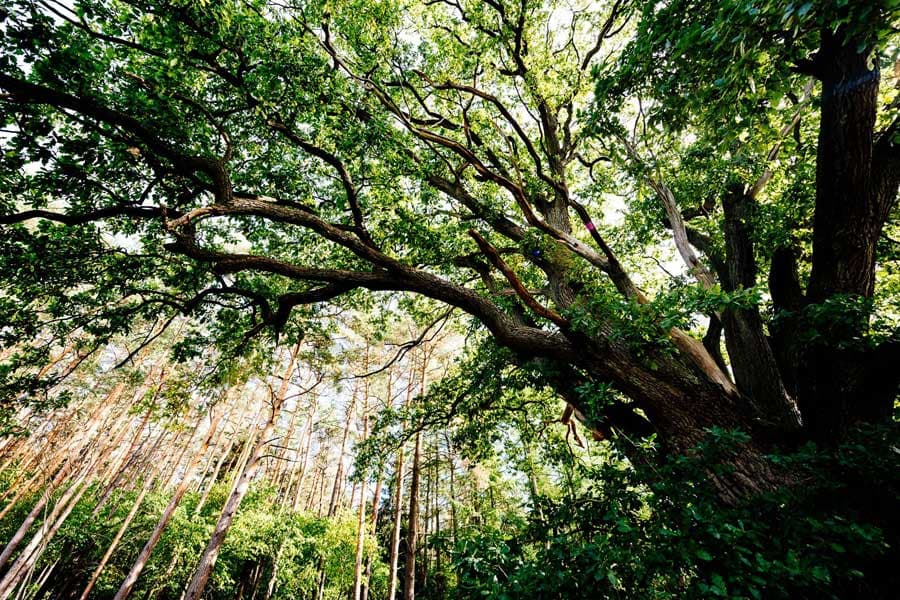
361 521
211 553
141 561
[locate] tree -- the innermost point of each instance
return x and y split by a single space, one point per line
242 483
263 159
142 558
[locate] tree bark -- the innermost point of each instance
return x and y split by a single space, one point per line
850 210
412 530
98 570
141 561
211 553
361 520
376 497
337 487
398 503
307 443
28 558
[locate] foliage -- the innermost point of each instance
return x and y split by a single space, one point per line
620 537
263 167
261 527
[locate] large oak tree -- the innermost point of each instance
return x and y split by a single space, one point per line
253 162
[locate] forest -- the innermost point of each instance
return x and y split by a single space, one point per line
449 299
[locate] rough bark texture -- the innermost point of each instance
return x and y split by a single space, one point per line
683 389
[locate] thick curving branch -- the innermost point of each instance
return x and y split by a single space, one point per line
24 92
400 278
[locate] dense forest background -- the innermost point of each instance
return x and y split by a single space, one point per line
449 299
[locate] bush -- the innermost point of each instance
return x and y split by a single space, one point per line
832 536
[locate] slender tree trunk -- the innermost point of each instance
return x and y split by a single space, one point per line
320 505
118 467
282 466
273 579
257 577
211 553
75 455
376 497
283 504
437 518
353 491
398 505
215 476
338 485
41 454
144 556
339 473
30 554
308 431
64 460
310 497
361 521
40 585
452 465
409 574
412 529
138 501
422 561
229 411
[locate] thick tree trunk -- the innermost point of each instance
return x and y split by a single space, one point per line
846 224
837 380
752 359
683 405
851 206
